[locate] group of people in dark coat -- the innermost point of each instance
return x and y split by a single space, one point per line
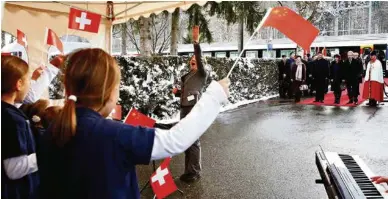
317 73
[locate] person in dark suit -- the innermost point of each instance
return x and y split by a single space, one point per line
192 86
289 64
298 77
336 77
353 71
283 80
320 75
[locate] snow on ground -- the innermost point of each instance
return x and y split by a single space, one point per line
228 107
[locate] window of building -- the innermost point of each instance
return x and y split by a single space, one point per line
251 54
233 54
220 54
269 54
207 54
286 52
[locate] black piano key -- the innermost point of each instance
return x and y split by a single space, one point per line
360 177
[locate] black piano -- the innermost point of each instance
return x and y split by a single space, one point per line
347 177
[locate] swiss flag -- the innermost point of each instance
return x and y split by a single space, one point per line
21 38
53 40
135 118
162 182
83 20
292 25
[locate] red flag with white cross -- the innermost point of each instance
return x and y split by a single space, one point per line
21 38
52 39
162 182
83 20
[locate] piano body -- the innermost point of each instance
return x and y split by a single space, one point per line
347 177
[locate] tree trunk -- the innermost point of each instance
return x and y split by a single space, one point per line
240 35
145 36
336 26
123 31
174 32
2 39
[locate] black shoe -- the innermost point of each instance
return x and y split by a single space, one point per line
336 102
350 102
321 101
316 101
189 177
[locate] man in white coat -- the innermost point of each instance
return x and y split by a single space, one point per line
374 81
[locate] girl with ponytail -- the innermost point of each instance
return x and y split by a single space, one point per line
86 155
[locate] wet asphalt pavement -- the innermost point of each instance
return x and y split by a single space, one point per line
267 150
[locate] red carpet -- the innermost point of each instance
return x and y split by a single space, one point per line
329 99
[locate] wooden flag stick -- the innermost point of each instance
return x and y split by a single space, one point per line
246 44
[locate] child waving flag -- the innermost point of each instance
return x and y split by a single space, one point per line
88 156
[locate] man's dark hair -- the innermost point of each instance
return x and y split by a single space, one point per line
283 56
308 55
292 53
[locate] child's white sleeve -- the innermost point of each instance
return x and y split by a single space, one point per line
189 129
20 166
41 84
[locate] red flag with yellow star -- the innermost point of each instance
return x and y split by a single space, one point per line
294 26
135 118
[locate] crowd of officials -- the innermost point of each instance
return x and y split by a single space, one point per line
318 73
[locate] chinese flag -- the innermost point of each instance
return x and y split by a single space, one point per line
294 26
21 38
83 20
135 118
162 182
53 40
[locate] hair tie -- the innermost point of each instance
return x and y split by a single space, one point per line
35 119
72 97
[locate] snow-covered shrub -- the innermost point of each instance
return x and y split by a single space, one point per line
147 82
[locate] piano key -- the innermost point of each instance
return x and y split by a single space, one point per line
357 170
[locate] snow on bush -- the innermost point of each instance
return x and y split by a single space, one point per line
147 82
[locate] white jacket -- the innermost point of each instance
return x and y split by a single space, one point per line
376 73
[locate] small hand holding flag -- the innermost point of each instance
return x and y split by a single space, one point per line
53 40
162 182
135 118
116 113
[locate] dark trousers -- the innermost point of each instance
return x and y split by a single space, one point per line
320 89
193 153
353 88
336 88
296 89
283 88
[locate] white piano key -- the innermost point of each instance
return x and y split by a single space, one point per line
380 187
